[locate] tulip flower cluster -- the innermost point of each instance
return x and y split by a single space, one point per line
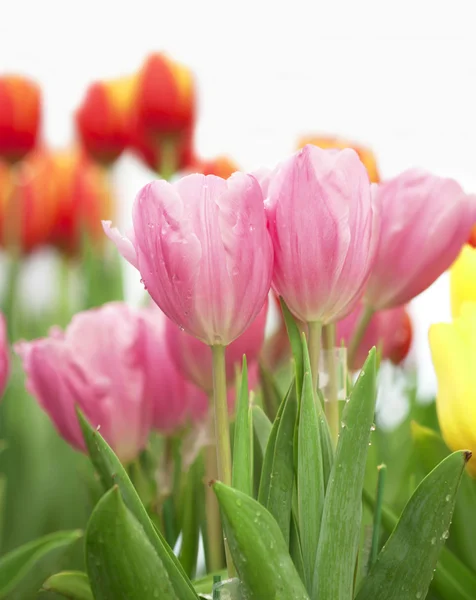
345 254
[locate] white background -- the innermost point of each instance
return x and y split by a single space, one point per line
399 76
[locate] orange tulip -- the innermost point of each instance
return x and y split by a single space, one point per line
164 114
59 194
329 143
19 117
103 119
222 166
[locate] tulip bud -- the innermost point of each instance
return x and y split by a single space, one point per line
194 359
164 114
97 364
4 356
463 279
60 195
103 119
454 356
335 143
203 251
324 231
175 401
389 330
19 117
221 166
425 221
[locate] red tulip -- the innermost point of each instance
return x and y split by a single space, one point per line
103 119
19 117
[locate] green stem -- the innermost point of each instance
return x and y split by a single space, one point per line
382 471
12 238
222 429
214 545
360 329
314 343
331 406
168 149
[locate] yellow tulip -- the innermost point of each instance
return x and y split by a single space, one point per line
453 349
463 279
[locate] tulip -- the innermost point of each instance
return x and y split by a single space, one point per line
60 195
335 143
453 351
103 119
324 232
164 113
114 364
20 107
4 356
472 237
221 166
97 364
389 330
203 251
175 401
194 360
463 279
426 220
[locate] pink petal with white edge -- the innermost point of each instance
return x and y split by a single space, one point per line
124 244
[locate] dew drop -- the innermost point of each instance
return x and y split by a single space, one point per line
239 503
446 535
372 428
448 498
433 541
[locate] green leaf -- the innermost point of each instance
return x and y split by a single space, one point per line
431 449
15 565
294 335
120 560
452 580
259 551
270 390
193 509
310 476
341 519
277 477
113 473
262 427
295 548
73 585
405 566
242 475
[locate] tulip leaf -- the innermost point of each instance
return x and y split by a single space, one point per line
113 473
204 584
73 585
242 476
262 427
405 566
15 565
121 562
277 476
295 340
192 513
452 580
342 513
310 476
431 449
259 551
270 390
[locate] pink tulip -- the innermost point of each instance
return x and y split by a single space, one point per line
174 399
194 359
4 356
111 362
203 251
425 222
389 330
324 231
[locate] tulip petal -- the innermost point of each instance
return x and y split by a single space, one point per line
124 244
